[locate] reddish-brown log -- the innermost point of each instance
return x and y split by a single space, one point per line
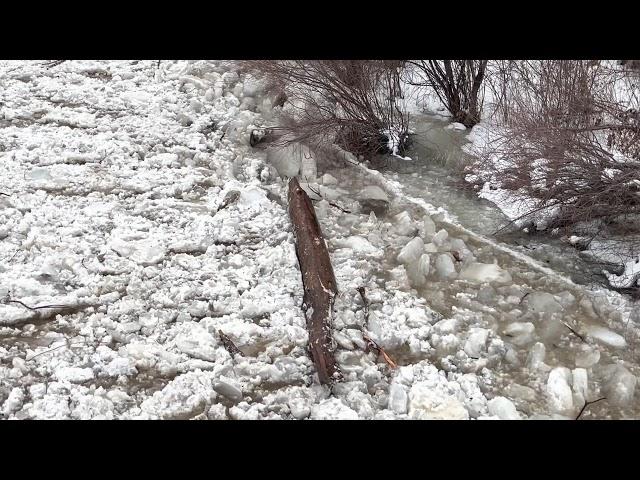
318 281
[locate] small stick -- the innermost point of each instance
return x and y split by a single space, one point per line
586 404
374 346
229 345
574 332
361 291
36 308
335 205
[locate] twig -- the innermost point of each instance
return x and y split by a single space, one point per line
586 404
573 331
229 345
523 297
66 344
372 345
365 302
55 63
335 205
5 194
36 308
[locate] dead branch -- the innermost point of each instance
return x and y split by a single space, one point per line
586 404
365 302
335 205
574 332
348 102
35 309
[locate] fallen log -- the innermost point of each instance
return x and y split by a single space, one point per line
318 281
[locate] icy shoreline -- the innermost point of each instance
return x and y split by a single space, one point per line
135 201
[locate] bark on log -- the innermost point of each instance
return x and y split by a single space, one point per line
318 281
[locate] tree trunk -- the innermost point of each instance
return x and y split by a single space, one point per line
318 281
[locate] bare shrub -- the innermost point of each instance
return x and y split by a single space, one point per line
457 83
569 142
348 102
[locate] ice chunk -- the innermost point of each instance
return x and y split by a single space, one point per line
487 294
404 224
522 332
332 409
439 238
455 126
428 226
536 356
373 199
425 403
39 174
542 302
327 179
476 342
559 394
252 197
503 408
360 244
424 264
430 248
566 299
74 374
299 408
308 168
286 160
14 401
484 272
521 392
148 255
398 399
620 387
459 246
552 328
444 266
373 192
228 389
414 274
606 336
411 252
587 356
580 384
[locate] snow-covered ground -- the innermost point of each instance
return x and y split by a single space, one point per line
138 216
